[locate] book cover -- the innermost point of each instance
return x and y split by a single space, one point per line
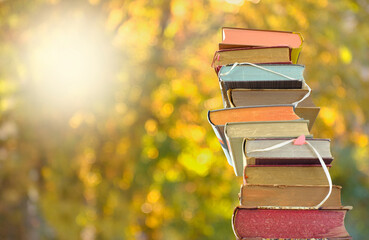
252 195
225 86
236 132
288 154
251 55
308 113
289 223
260 238
267 72
285 174
218 118
254 97
238 37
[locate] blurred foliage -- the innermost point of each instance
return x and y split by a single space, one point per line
123 150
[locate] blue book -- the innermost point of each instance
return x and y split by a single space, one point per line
262 72
260 76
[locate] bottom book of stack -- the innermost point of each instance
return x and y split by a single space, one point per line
259 223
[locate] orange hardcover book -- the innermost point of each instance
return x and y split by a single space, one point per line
253 114
241 37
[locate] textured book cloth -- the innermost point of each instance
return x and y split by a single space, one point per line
218 118
261 76
288 223
236 37
251 54
311 174
274 72
288 154
235 134
289 195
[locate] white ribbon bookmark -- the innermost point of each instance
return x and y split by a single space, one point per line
300 141
268 70
302 99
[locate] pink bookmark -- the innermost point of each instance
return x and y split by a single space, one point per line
300 140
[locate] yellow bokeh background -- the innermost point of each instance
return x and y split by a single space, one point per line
103 113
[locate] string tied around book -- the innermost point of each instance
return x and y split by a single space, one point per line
299 142
268 70
302 99
257 66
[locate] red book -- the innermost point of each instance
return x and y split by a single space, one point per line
253 223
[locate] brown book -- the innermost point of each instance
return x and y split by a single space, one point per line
252 55
226 86
308 113
289 195
285 174
236 132
255 97
289 154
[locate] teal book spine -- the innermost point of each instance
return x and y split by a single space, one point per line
262 72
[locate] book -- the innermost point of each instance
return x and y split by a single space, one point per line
258 238
285 174
252 113
288 154
225 86
255 97
218 118
267 73
272 76
289 195
308 113
251 55
239 37
285 187
236 132
289 223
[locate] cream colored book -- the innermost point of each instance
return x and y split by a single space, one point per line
285 174
289 195
236 133
289 154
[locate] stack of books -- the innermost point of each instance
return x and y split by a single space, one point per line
264 130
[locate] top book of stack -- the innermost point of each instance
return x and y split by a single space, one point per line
240 38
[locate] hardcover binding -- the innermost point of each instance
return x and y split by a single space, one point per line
327 209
